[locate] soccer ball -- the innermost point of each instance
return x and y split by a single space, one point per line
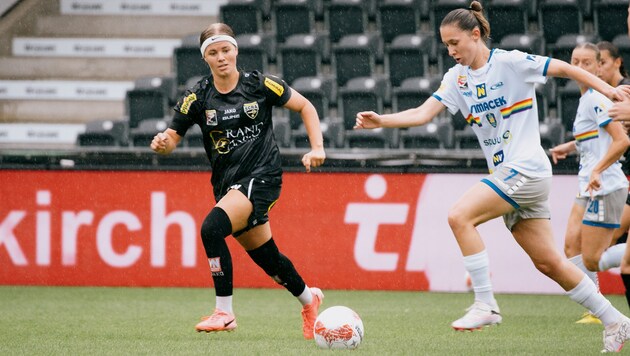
338 327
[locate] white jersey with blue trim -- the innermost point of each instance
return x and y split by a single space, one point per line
499 101
593 142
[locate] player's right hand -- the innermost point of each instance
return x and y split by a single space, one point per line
367 120
159 143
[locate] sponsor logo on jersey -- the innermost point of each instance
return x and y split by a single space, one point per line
230 111
211 118
481 91
598 110
251 109
488 105
497 158
505 138
274 86
187 102
496 86
531 58
491 119
462 81
467 93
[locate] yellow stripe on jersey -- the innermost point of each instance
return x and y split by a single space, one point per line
274 86
584 136
187 102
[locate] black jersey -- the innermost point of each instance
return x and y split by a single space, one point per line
237 127
625 165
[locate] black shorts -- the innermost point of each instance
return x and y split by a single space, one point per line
263 193
628 199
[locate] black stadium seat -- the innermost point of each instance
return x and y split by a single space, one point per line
355 56
529 43
568 101
105 133
252 52
345 17
412 92
142 135
507 17
559 17
243 16
300 56
408 56
291 17
397 17
187 60
610 18
145 103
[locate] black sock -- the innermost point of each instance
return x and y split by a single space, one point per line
626 282
215 228
278 267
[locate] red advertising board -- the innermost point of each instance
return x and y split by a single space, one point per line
341 230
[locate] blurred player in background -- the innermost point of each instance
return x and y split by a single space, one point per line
603 187
495 92
233 109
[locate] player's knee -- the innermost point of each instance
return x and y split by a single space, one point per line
455 218
215 227
591 263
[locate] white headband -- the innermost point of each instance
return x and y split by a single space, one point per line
214 39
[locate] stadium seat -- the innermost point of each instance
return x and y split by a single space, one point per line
362 94
559 17
243 16
145 103
440 9
187 60
568 101
105 133
551 133
408 56
355 56
434 135
397 17
445 62
163 83
291 17
300 56
142 135
412 92
623 44
530 43
610 18
507 17
253 52
466 139
318 90
563 48
345 17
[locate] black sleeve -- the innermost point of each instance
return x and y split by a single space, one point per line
181 123
187 108
276 90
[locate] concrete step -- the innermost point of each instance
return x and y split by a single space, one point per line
59 111
121 26
82 68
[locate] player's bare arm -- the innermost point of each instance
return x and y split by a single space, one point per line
408 118
316 156
165 142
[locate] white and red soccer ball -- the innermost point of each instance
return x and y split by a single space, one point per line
338 327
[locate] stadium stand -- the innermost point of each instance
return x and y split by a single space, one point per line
568 100
396 18
507 17
564 46
187 61
145 103
292 17
142 135
346 17
623 43
552 133
434 135
530 43
252 52
413 91
441 8
408 56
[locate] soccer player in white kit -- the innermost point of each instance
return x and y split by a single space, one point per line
495 92
603 187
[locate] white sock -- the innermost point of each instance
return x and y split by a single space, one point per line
612 257
579 263
478 266
586 294
306 297
224 303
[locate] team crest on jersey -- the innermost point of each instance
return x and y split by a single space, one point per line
211 118
491 119
462 81
481 91
251 109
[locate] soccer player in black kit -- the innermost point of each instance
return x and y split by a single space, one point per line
233 109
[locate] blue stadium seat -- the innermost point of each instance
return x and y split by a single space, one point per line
408 56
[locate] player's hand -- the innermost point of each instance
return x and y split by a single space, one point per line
560 152
367 120
620 111
621 93
159 144
594 183
314 158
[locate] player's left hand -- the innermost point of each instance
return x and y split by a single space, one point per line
314 158
594 183
620 111
621 93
